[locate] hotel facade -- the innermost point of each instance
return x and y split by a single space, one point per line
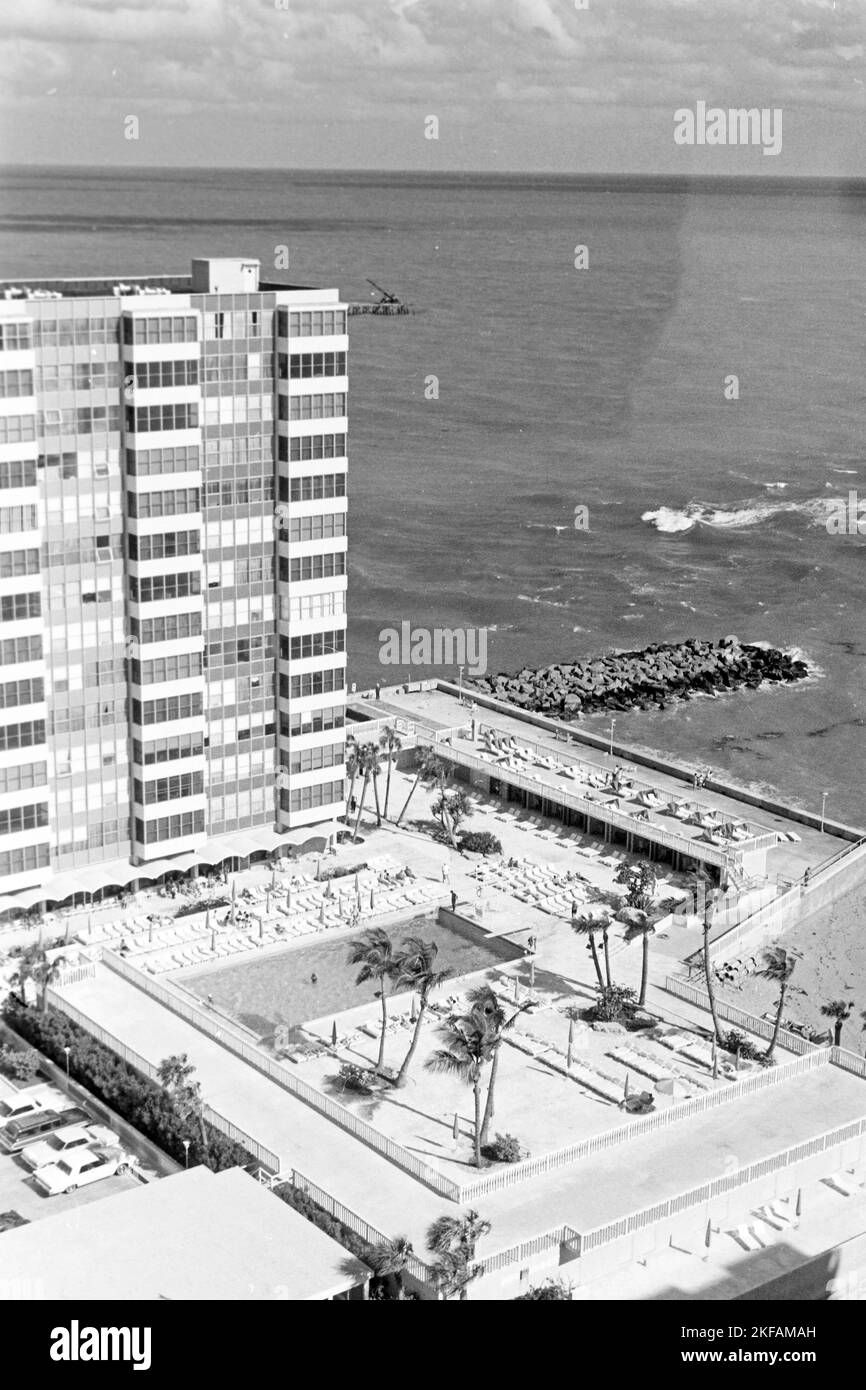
172 570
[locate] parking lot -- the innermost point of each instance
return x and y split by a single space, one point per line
18 1191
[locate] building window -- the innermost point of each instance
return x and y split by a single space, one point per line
306 567
161 417
14 563
168 788
169 827
18 519
313 683
323 405
172 628
17 429
314 721
152 375
14 337
314 644
18 818
17 649
16 382
311 364
149 462
314 487
18 473
165 545
161 587
19 861
305 798
23 777
16 606
183 666
27 735
171 707
174 329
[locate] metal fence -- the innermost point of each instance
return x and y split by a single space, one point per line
259 1151
222 1032
416 1267
637 1129
694 994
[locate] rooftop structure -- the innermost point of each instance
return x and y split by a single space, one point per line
195 1235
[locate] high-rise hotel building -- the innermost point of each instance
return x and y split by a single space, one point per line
172 568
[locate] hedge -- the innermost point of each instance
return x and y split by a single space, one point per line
136 1098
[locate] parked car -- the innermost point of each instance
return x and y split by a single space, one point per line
64 1141
28 1101
18 1133
80 1168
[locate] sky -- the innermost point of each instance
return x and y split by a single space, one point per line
570 86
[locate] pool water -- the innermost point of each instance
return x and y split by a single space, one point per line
278 988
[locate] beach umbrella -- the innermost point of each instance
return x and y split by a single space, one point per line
149 931
66 933
532 972
318 870
456 1129
268 902
288 899
357 883
799 1205
261 927
322 914
715 1058
334 1034
372 900
273 878
89 923
737 1060
329 889
213 940
234 889
625 1088
708 1235
570 1041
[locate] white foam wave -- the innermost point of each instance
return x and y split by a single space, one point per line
751 512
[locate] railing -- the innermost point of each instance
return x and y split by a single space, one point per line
694 994
596 810
637 1129
259 1151
832 866
849 1061
707 1192
76 973
516 1254
228 1037
416 1267
768 916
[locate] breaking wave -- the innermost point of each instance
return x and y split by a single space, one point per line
749 513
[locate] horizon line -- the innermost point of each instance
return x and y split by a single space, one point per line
763 177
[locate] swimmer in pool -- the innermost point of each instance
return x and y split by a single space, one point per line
314 979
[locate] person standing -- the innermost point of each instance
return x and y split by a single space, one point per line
445 871
453 901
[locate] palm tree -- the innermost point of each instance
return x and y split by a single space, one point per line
392 744
587 926
351 771
840 1012
374 952
483 999
452 1239
709 908
175 1074
368 763
415 970
430 768
639 924
388 1261
451 808
45 972
778 966
28 963
469 1045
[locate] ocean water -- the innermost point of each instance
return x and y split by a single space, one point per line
560 388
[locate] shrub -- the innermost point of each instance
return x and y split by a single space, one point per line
480 842
212 904
341 871
552 1290
135 1097
734 1042
355 1078
504 1149
17 1063
616 1004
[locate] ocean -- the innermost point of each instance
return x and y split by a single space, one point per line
559 388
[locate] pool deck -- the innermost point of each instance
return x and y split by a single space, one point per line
587 1195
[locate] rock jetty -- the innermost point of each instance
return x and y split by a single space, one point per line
647 679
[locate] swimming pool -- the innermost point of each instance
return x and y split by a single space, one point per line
278 988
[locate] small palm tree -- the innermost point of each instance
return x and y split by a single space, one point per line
450 808
779 965
452 1239
45 972
368 764
391 744
374 952
351 772
840 1012
28 964
469 1045
430 768
415 969
587 926
175 1074
388 1261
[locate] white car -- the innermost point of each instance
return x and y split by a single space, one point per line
81 1167
66 1141
27 1102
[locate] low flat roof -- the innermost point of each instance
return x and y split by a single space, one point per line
195 1235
